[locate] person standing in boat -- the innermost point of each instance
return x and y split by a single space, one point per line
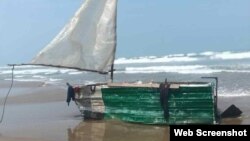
70 94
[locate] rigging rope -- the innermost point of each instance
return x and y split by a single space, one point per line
6 97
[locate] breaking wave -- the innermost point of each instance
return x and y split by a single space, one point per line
196 69
189 57
153 59
189 69
230 55
35 70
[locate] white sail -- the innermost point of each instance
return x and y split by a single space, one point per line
87 42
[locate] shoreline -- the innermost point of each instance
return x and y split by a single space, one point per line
32 92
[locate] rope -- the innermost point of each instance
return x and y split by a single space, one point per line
5 100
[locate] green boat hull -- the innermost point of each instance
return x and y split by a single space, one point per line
187 104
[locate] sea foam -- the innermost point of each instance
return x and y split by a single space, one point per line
189 57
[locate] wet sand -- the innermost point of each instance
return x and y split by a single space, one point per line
38 112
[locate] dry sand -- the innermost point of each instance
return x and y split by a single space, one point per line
38 112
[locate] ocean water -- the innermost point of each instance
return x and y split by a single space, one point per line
232 69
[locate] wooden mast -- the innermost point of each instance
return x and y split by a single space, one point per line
112 73
115 30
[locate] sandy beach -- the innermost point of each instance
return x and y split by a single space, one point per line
38 112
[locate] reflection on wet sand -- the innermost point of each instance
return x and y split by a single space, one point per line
114 131
232 121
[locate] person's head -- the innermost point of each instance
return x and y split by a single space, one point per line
67 84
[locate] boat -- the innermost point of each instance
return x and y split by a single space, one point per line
88 43
150 103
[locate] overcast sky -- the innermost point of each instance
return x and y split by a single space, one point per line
145 27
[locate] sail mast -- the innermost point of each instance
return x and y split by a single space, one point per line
112 73
115 44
